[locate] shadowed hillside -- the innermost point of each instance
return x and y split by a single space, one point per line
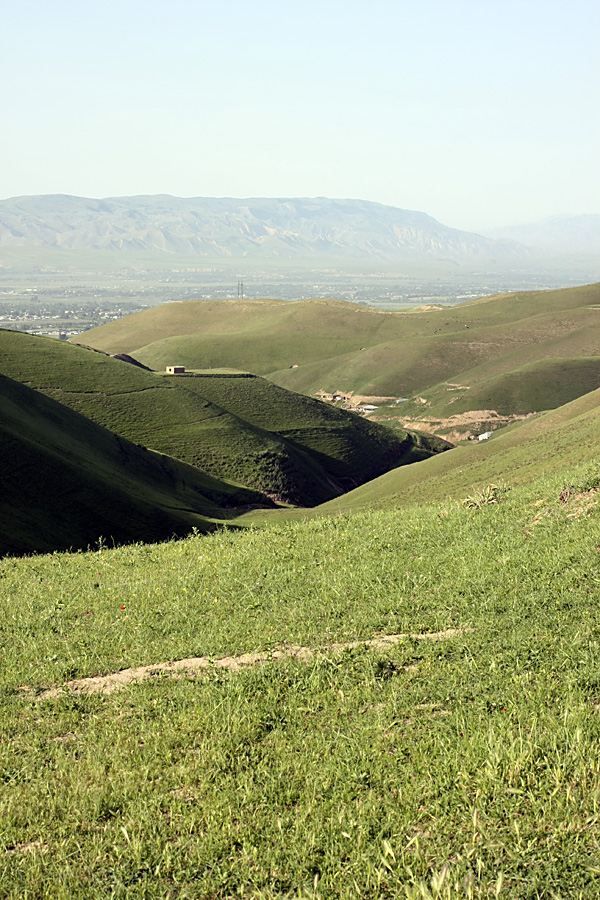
165 415
348 447
66 482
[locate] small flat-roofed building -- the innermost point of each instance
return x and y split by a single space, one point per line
175 370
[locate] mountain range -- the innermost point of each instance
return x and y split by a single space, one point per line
556 234
259 228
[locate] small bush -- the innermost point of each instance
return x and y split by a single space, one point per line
493 493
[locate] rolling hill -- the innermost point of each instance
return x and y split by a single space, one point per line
478 348
321 451
348 447
67 483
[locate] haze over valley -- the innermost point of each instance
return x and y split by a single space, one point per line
70 263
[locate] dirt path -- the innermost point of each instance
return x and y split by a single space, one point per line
106 684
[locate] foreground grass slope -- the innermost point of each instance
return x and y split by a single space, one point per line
313 344
459 767
66 482
314 454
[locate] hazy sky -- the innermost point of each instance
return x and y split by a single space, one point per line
478 112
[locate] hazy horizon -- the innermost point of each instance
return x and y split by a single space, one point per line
116 197
479 115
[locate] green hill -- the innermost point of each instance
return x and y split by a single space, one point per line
320 452
66 482
313 344
466 348
538 385
516 455
348 447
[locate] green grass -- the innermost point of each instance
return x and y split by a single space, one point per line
518 454
349 448
313 344
456 768
532 387
65 482
459 768
270 440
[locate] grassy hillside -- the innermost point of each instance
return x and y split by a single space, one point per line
347 447
257 335
314 344
325 452
65 482
514 456
539 385
473 350
457 760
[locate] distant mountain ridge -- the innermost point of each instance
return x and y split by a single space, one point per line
256 228
556 234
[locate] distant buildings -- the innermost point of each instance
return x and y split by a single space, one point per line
175 370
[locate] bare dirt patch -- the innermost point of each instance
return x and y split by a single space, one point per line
459 427
29 847
350 400
581 503
361 399
106 684
426 308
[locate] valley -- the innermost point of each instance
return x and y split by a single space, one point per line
299 404
278 625
74 291
300 451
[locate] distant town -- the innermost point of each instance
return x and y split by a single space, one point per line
64 304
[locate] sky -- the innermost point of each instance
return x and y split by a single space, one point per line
478 112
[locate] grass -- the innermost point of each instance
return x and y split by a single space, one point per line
313 344
532 387
465 766
263 437
65 482
458 768
349 448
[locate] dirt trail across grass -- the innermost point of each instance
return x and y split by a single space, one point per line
106 684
